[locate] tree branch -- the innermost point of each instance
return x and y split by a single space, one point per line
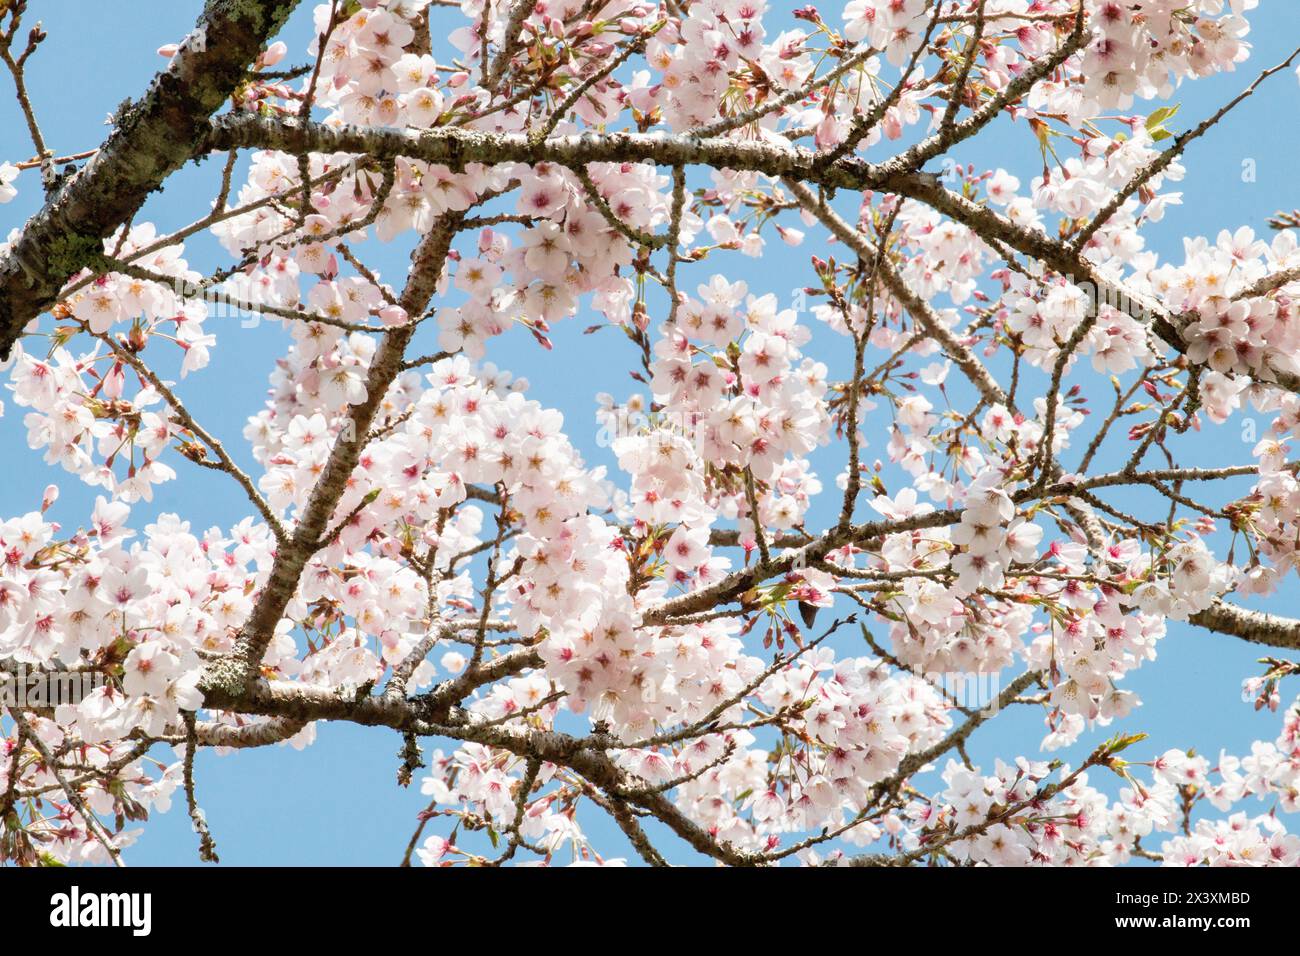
152 140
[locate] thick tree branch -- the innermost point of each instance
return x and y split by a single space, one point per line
1254 626
152 140
426 266
455 146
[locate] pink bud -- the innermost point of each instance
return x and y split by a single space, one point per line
114 382
168 50
893 124
827 133
51 495
791 237
273 54
393 315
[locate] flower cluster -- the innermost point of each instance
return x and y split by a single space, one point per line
90 424
1232 331
857 720
738 395
1076 825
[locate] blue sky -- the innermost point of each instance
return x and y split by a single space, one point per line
337 802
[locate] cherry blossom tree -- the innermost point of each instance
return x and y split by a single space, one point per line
676 645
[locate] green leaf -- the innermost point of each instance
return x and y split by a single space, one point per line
1156 122
1158 118
1121 742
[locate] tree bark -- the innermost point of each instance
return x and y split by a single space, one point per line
151 140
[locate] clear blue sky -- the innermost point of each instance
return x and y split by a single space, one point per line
337 802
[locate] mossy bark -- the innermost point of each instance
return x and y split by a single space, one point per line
151 139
